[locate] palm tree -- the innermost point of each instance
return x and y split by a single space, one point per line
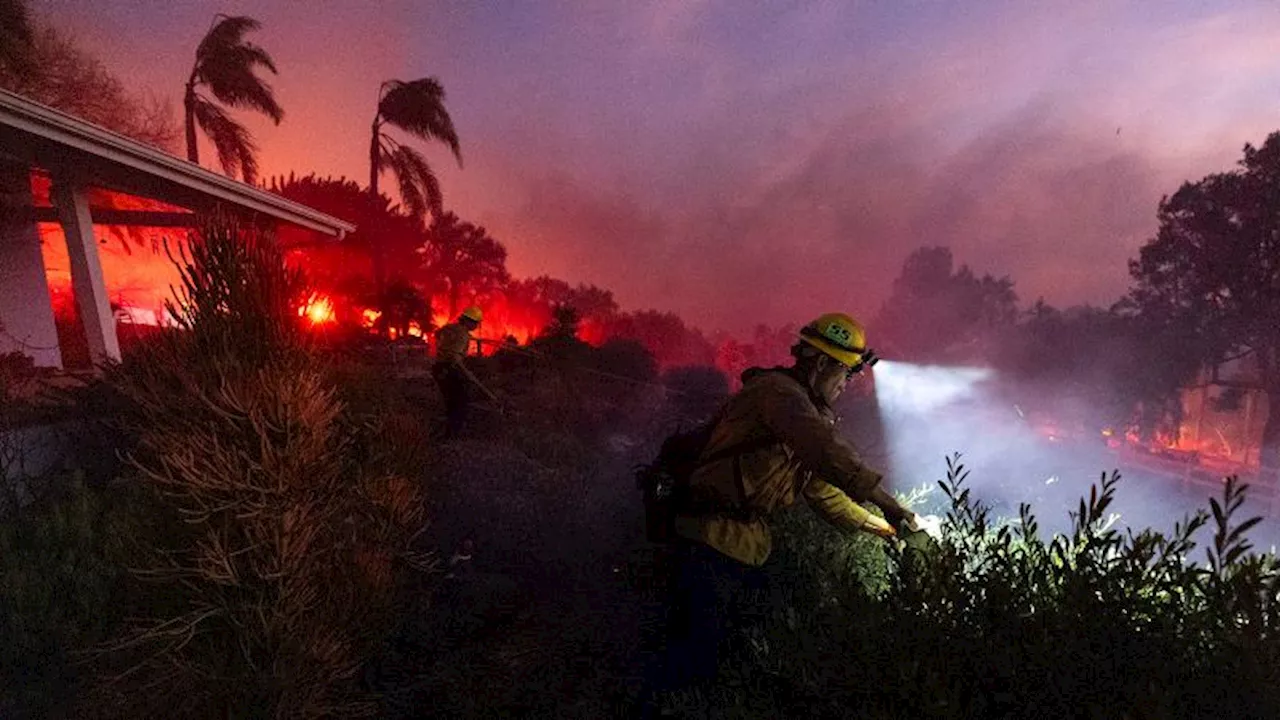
225 66
417 107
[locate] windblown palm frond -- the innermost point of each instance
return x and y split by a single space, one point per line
237 152
230 77
226 65
227 31
417 107
419 187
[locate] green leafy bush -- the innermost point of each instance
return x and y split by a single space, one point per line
997 621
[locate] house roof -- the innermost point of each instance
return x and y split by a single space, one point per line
43 137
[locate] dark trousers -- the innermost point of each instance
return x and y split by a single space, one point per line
454 387
710 595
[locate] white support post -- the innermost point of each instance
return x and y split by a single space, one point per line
26 314
72 201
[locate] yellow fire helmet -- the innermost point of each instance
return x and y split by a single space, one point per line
839 336
473 313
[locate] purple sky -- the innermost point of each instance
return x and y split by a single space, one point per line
742 162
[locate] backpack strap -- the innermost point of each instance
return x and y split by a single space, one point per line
736 452
741 448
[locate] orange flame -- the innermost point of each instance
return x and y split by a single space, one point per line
318 309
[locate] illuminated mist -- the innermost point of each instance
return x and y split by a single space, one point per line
930 412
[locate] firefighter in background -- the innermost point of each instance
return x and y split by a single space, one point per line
773 442
450 372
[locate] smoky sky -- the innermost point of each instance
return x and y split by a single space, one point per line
742 163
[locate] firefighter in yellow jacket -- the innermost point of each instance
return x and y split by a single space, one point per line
774 441
451 375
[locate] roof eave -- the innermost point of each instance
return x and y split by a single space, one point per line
66 130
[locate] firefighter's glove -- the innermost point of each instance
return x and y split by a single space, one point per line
876 525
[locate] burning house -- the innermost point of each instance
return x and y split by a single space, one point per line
1224 413
68 191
